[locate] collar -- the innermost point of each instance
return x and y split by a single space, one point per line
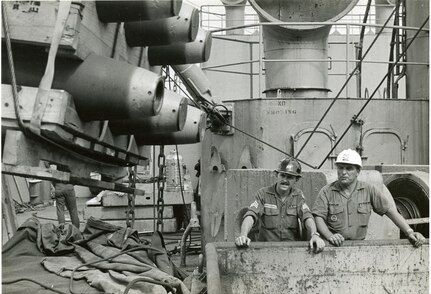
335 186
272 190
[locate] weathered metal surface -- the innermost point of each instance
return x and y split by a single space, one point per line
171 118
182 28
102 88
121 11
182 53
193 131
393 266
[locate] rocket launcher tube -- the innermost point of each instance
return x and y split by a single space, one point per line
177 29
124 11
193 131
171 118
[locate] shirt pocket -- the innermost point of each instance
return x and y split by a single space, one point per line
336 217
292 218
270 217
364 212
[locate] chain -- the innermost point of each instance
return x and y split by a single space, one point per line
161 187
130 212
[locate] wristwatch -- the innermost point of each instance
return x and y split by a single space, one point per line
409 231
315 233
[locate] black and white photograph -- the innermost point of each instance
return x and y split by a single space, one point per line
215 146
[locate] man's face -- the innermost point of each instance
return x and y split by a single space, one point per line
285 181
347 173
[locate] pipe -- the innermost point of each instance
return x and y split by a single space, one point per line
384 11
102 88
176 29
195 80
213 273
197 51
124 11
171 118
417 76
298 79
234 15
193 131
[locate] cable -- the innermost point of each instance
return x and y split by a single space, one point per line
346 82
361 45
148 280
375 91
13 281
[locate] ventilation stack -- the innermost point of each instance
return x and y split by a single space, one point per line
301 78
234 15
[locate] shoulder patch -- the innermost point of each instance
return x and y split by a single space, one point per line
255 204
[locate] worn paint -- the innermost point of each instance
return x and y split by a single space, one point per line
384 266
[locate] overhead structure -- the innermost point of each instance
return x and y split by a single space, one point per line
308 43
235 10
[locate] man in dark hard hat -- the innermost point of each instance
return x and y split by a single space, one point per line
343 208
278 208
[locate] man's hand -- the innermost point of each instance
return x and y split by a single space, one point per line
416 239
317 243
242 241
336 239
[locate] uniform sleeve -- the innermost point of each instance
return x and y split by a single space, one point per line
256 208
381 202
320 206
304 211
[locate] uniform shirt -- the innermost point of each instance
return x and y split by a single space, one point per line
61 188
349 216
278 220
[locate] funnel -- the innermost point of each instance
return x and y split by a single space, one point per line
302 79
234 15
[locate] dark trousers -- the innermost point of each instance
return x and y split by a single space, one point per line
65 197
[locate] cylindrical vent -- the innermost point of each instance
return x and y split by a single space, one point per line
234 15
296 65
177 29
417 76
193 131
102 88
197 51
171 118
107 89
124 11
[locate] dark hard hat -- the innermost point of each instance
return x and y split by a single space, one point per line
289 166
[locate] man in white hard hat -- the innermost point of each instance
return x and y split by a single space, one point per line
278 208
343 208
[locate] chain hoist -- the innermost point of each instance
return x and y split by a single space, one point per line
130 212
160 188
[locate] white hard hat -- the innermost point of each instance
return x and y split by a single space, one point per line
349 156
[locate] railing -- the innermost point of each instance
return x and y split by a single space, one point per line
213 19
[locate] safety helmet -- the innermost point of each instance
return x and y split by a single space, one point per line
349 156
289 166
